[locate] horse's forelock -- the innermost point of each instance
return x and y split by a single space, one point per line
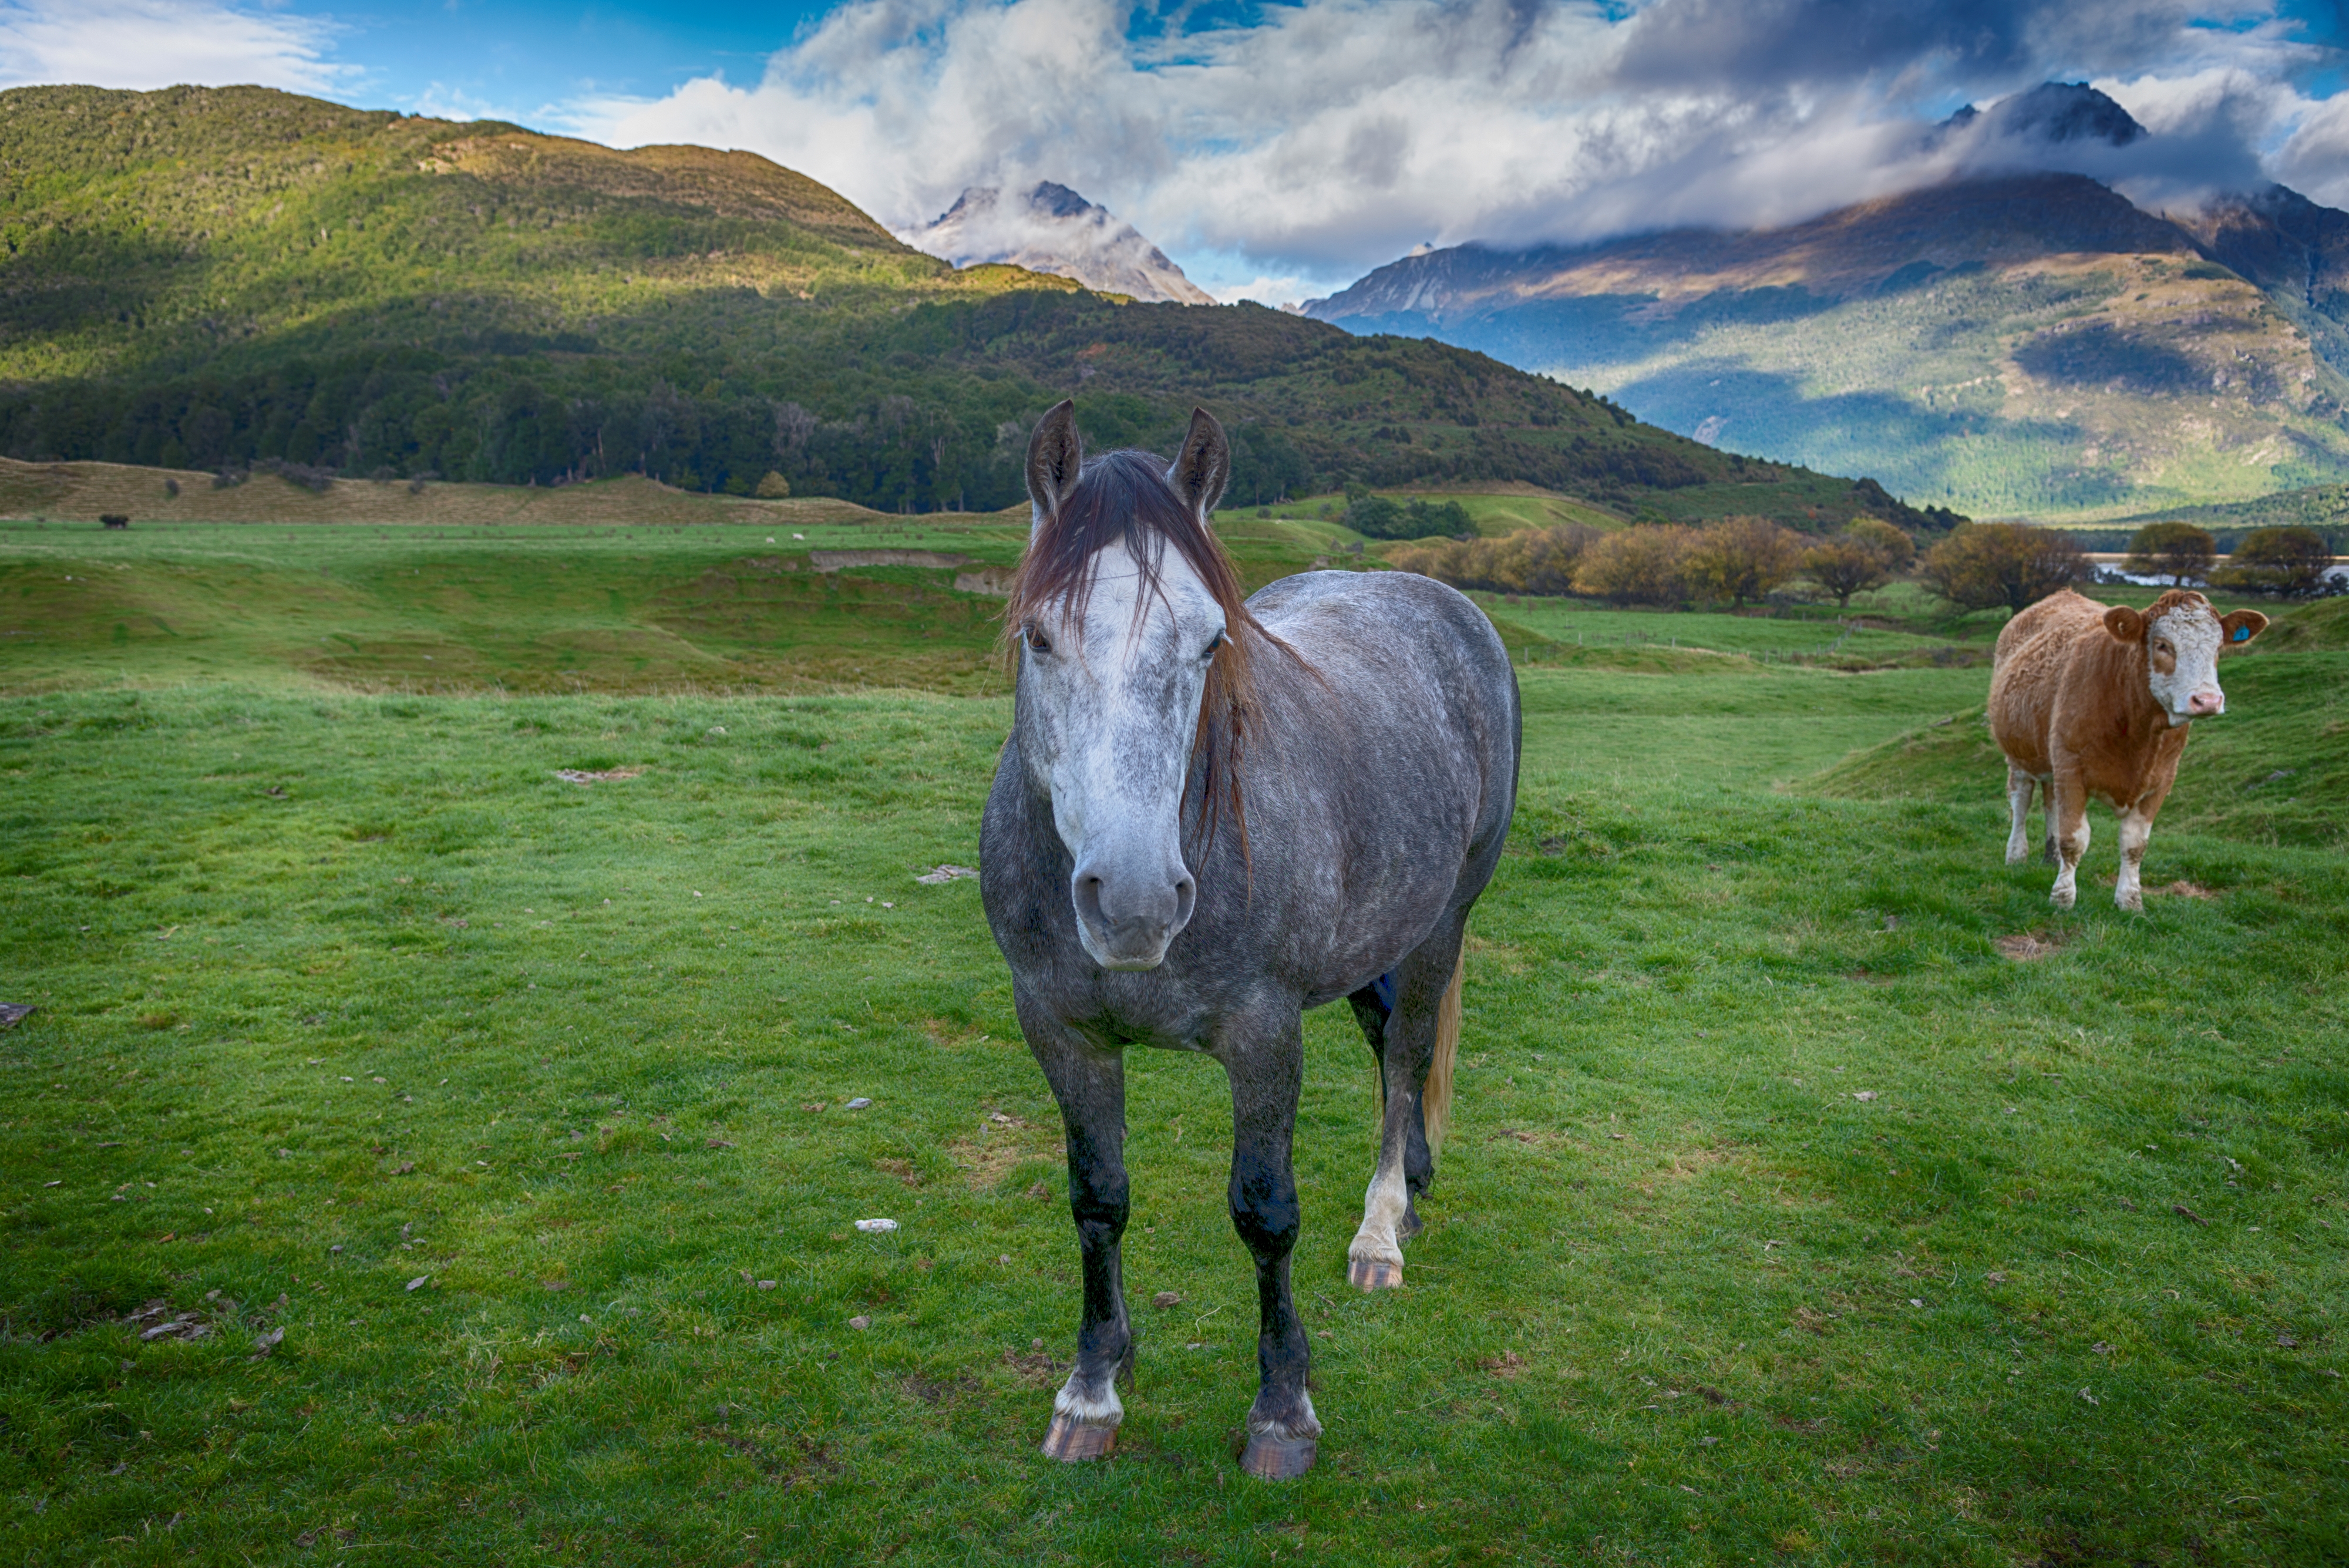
1124 497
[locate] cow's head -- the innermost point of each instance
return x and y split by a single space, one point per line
2182 636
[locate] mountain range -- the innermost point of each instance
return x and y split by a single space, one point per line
2003 342
208 278
1052 229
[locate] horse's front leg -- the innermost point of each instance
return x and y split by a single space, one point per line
1089 1084
1266 1074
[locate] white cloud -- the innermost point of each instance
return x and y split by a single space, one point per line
149 44
1331 135
2314 160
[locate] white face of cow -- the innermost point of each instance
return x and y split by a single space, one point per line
2181 652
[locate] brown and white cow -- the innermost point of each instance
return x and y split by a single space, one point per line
2095 701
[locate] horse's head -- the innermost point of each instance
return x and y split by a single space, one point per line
1128 617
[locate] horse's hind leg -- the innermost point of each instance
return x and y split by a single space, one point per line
1282 1431
1090 1085
1414 1044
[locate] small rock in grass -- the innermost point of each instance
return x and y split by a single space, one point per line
945 873
1864 1095
418 1282
768 1285
1165 1299
860 1322
858 1104
877 1227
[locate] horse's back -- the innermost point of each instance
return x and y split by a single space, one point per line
1406 681
1360 627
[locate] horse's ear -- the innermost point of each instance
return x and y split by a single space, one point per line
1055 456
1203 466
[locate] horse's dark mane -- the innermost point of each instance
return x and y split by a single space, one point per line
1124 497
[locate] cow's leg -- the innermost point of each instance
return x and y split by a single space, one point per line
1266 1076
2048 852
2068 816
2019 786
1089 1084
2136 830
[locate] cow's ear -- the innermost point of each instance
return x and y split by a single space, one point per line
2241 626
2125 624
1056 454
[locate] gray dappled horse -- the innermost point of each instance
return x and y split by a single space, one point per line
1210 815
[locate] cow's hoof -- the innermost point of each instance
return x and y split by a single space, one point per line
2062 898
1268 1458
1072 1441
2133 906
1372 1274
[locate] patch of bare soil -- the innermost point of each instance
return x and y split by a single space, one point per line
583 778
1001 1143
2025 947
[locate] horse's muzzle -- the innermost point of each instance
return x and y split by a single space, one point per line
1126 917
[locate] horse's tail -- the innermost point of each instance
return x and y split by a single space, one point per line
1435 1102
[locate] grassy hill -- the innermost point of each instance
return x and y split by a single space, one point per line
2032 347
199 278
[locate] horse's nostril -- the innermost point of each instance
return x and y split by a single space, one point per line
1186 894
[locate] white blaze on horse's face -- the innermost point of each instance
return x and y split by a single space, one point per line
1112 711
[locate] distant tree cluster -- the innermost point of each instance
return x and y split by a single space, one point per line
1982 566
2287 563
2178 551
1736 561
1382 517
1529 561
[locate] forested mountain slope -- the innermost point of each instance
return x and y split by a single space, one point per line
2031 344
206 277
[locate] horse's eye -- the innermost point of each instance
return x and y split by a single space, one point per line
1039 642
1215 645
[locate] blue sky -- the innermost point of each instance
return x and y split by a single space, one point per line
1280 151
519 57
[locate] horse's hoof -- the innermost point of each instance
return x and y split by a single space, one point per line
1372 1274
1072 1441
1268 1458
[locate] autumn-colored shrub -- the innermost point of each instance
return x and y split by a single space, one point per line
1984 565
1635 566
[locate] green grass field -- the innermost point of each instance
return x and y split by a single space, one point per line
1786 1217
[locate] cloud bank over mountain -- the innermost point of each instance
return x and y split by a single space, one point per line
1290 146
1330 135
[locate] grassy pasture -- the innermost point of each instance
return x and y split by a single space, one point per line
326 957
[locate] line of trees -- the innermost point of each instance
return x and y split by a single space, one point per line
2287 563
1736 561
